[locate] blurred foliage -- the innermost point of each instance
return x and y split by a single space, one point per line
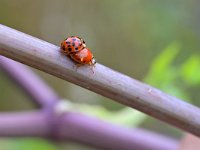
26 143
164 75
13 98
156 40
133 117
191 70
174 78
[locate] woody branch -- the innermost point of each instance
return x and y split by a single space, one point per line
105 81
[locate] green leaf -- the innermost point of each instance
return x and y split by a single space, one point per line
26 143
191 70
125 117
164 75
161 70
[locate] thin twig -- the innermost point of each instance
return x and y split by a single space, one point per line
121 88
111 137
31 83
24 124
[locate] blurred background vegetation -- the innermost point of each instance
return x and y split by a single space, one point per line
153 41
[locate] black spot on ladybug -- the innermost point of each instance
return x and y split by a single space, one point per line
67 42
76 48
69 49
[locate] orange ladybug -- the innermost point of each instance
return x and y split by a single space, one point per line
72 44
83 57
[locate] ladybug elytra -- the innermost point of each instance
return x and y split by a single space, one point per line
72 44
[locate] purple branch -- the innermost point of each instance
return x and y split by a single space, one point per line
30 82
82 129
88 130
23 124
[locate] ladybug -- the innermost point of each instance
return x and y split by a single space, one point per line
72 44
83 57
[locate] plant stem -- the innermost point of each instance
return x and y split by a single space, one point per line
105 81
24 124
30 82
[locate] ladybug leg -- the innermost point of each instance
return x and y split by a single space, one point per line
92 64
76 66
64 53
92 68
